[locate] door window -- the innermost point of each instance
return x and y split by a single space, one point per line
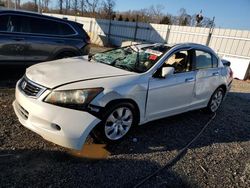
180 61
203 60
215 61
4 22
26 24
49 27
42 26
14 24
66 29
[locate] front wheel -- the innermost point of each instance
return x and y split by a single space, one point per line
215 100
117 121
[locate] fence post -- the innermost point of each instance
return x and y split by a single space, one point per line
136 27
168 33
90 25
210 33
109 30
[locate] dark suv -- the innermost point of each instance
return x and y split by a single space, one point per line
30 37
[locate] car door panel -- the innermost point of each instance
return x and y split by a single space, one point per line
12 42
207 80
40 48
207 77
170 95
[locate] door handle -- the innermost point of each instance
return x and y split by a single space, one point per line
215 73
189 79
18 39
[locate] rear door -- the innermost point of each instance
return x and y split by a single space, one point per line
43 38
48 37
207 77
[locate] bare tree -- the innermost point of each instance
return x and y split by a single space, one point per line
30 6
60 3
166 20
83 6
18 2
184 18
107 9
152 14
92 5
75 4
157 11
35 5
45 5
67 6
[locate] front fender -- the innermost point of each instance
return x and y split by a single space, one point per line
137 93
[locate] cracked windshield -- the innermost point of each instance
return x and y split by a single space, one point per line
132 58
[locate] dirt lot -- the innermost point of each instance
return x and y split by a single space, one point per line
219 158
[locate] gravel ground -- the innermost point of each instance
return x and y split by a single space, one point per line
219 158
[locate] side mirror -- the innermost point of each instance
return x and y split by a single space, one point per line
167 71
226 63
90 55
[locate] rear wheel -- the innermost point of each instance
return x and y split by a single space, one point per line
117 122
215 100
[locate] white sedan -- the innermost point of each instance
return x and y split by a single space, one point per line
110 92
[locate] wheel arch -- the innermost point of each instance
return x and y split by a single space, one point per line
65 51
223 86
126 100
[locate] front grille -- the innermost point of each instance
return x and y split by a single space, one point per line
30 88
24 113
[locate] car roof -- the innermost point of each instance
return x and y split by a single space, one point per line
178 45
29 13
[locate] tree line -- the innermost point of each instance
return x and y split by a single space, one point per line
105 9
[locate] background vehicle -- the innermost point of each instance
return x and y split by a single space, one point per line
27 38
118 89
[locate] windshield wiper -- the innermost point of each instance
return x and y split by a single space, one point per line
100 61
119 58
125 67
137 56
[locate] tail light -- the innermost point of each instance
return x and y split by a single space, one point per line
230 73
88 40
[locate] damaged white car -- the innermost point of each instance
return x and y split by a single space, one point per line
110 92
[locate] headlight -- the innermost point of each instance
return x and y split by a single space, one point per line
76 99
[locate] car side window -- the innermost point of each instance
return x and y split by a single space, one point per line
27 24
43 26
49 27
203 59
14 24
180 61
215 62
4 22
66 29
17 24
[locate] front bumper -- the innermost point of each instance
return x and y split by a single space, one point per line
44 119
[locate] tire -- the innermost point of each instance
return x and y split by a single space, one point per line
215 100
116 123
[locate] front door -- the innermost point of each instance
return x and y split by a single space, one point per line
12 41
173 94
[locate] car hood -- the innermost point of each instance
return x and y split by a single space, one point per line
64 71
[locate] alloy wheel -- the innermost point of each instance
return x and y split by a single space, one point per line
118 123
216 100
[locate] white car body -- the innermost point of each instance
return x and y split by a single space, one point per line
155 98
